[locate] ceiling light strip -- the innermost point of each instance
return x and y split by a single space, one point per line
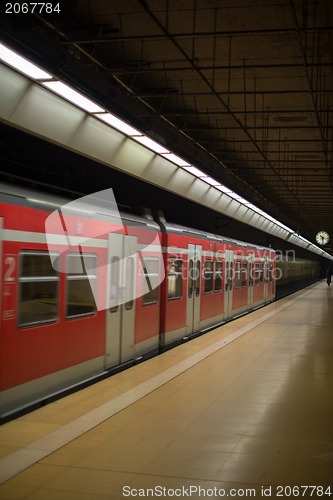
22 65
73 96
118 124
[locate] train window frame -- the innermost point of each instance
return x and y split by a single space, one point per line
152 297
22 280
178 275
80 277
208 272
218 275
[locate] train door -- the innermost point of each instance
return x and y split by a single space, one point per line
121 286
193 288
250 281
229 276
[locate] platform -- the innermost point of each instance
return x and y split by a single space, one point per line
245 410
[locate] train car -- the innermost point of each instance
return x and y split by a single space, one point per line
291 269
86 290
209 280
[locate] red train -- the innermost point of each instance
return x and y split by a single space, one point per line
87 293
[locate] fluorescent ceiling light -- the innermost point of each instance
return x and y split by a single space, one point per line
73 96
238 198
195 171
284 227
211 181
270 218
119 124
253 207
176 159
149 143
224 189
304 239
21 64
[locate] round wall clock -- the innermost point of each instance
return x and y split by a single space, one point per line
322 238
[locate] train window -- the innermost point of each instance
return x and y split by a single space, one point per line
261 271
115 290
175 281
244 275
238 274
197 278
259 274
81 284
208 276
229 276
150 268
256 274
250 275
129 285
190 280
218 276
38 289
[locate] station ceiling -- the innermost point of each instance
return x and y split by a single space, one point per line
241 88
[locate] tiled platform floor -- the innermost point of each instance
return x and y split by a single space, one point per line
241 417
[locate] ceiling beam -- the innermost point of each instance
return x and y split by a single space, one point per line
147 69
196 34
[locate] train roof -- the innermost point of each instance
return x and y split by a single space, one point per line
177 229
101 205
